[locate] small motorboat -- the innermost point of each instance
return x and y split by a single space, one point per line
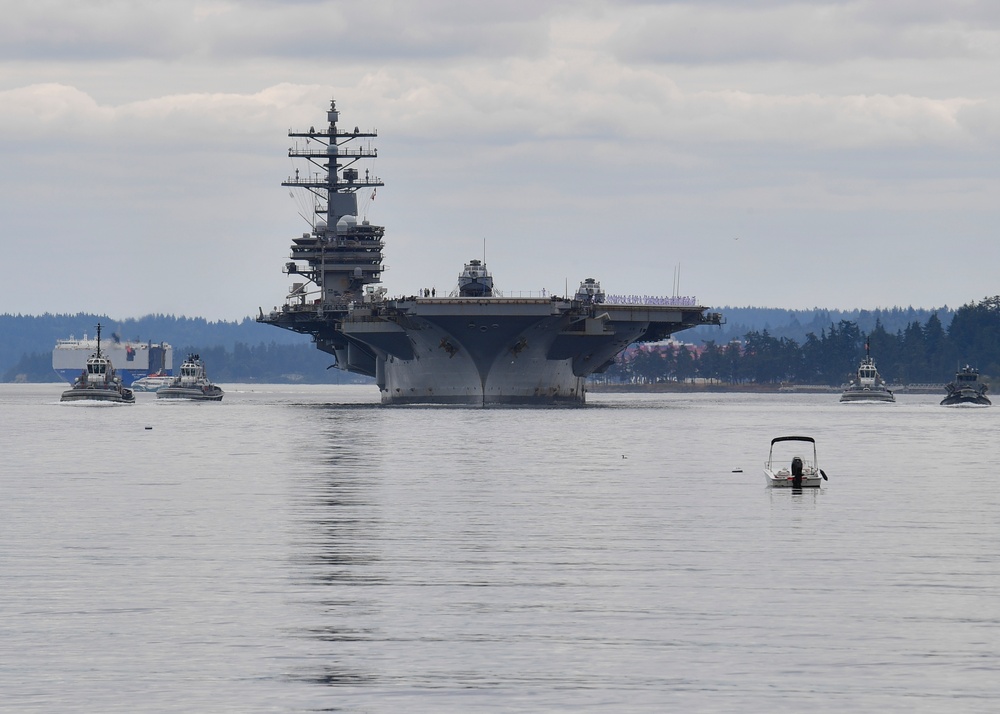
791 465
191 383
152 382
966 389
99 382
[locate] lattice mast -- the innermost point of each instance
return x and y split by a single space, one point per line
341 254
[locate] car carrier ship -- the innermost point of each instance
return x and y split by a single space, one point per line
132 359
473 346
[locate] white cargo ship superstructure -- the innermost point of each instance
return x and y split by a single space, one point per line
132 359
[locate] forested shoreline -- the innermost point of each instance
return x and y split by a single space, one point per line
266 363
757 346
920 353
238 351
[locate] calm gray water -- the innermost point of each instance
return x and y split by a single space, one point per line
302 549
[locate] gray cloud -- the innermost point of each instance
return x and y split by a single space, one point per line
599 138
807 32
376 30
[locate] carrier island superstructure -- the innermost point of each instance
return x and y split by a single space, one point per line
473 346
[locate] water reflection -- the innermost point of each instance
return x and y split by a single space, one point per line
336 544
798 496
333 675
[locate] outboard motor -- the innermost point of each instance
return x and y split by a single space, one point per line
797 472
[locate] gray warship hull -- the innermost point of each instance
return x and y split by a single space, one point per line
473 347
485 351
476 354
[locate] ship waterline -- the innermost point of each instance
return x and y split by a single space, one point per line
473 347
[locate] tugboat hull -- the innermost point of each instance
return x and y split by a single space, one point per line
867 395
213 395
954 400
98 395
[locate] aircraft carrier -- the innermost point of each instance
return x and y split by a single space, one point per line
473 346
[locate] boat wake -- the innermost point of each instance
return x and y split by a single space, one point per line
92 403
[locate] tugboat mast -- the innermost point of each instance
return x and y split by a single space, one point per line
342 255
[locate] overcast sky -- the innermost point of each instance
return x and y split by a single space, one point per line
775 154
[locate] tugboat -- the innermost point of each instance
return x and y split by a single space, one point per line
966 389
868 385
98 382
475 281
192 383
